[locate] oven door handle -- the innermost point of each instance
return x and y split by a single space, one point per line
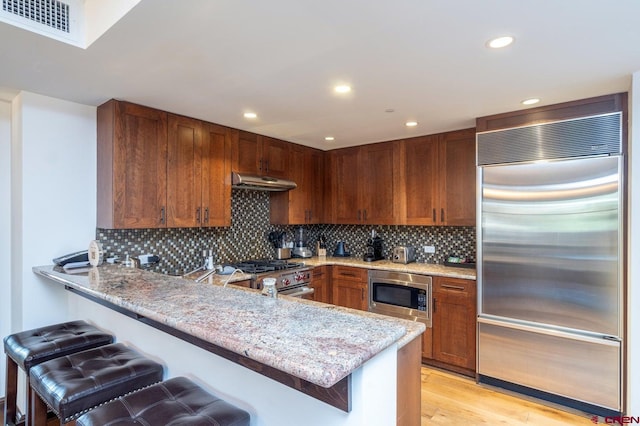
299 293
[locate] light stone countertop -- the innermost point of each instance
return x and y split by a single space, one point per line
387 265
316 342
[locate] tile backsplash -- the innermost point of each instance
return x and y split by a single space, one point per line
180 249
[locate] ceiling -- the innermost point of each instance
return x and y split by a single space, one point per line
425 60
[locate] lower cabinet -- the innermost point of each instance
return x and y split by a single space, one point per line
451 342
321 284
350 287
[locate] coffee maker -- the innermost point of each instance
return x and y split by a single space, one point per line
374 248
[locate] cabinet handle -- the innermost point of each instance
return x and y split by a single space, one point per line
206 215
347 274
266 166
453 287
260 164
434 215
359 216
362 290
434 305
162 215
441 215
365 215
198 215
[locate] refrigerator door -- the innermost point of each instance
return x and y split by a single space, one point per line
579 367
550 245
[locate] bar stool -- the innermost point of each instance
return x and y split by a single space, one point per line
32 347
175 401
75 383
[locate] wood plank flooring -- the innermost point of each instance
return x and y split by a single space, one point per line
450 399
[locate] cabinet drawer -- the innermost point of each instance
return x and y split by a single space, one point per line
349 273
454 285
319 272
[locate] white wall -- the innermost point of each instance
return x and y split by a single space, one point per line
633 295
5 231
53 203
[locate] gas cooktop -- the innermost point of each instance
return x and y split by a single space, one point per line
258 266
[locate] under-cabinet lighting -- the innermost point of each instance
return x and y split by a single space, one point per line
250 115
329 138
342 88
411 123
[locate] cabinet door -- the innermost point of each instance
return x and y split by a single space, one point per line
349 287
454 322
350 294
344 186
275 158
184 172
314 182
458 178
216 174
247 153
421 180
379 183
139 167
320 282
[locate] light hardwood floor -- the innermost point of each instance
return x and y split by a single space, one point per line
450 399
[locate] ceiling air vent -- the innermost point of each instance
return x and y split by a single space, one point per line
54 14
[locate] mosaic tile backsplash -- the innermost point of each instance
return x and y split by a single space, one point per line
180 249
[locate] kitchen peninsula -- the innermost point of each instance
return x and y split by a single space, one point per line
323 365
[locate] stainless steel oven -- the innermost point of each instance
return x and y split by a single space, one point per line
401 295
292 278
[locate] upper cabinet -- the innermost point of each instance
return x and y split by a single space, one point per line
302 205
132 166
255 154
365 184
159 170
440 179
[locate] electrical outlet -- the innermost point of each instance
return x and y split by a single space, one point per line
429 249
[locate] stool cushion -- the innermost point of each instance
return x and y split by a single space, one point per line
78 382
31 347
177 401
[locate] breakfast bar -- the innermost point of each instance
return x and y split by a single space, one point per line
276 358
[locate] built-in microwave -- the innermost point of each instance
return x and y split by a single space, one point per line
401 295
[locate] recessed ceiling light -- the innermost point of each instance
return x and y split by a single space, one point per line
530 101
329 138
500 42
342 88
411 123
250 115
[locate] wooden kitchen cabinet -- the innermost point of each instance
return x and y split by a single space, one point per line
321 284
365 184
261 155
440 179
198 173
302 205
158 170
350 287
454 324
132 166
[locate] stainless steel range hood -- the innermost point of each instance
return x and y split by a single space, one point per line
260 183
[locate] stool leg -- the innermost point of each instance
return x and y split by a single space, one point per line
11 392
38 414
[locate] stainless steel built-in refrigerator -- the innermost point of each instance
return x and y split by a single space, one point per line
550 259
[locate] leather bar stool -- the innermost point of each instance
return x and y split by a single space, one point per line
32 347
75 383
175 401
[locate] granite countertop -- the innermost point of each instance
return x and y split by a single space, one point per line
387 265
316 342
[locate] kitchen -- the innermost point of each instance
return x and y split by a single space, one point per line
31 249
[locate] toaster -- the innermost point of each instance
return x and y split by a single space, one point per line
404 254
